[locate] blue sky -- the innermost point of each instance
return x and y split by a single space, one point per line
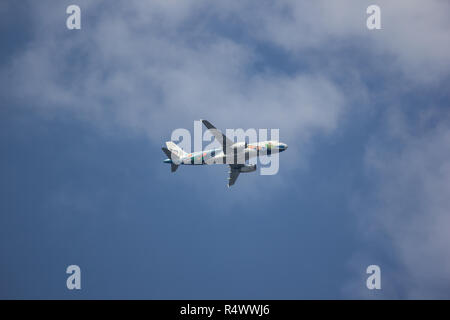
365 179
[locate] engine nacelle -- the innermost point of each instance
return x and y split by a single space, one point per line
248 168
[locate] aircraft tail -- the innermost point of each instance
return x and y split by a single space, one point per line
175 150
173 167
175 153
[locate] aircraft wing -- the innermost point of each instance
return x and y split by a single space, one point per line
234 173
223 140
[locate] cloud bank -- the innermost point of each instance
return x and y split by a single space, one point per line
149 67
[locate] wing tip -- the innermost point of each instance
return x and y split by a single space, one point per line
207 124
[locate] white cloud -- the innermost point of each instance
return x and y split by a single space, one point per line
413 39
410 168
136 63
139 68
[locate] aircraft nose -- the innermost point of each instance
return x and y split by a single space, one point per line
283 146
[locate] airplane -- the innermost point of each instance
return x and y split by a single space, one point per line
233 154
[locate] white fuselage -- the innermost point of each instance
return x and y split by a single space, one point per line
241 152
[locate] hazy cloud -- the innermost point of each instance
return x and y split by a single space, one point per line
409 210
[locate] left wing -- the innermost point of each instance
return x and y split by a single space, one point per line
223 140
234 173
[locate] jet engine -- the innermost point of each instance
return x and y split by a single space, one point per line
248 168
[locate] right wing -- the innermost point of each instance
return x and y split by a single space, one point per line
234 173
223 140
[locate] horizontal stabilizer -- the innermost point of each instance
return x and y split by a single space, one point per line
234 174
169 155
167 152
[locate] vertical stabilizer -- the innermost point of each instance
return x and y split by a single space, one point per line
175 150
